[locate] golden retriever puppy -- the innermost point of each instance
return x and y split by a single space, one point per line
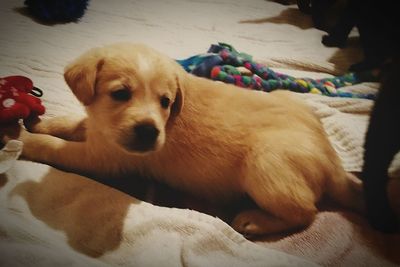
146 115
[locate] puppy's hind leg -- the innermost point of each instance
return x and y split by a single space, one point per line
287 202
345 189
71 128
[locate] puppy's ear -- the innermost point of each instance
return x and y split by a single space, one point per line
179 98
81 75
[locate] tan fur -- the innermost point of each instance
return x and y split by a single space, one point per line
216 140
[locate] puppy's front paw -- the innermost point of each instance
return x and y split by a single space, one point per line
32 124
9 154
14 131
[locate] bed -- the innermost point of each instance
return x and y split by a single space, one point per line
42 222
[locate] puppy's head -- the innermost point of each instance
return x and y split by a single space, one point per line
131 93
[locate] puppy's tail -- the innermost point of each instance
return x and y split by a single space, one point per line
347 190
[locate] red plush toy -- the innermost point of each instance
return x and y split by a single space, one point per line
16 101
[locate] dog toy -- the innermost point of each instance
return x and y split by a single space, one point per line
18 99
221 63
57 10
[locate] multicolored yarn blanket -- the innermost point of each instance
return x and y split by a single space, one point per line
221 63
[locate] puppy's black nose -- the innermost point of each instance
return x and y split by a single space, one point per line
146 133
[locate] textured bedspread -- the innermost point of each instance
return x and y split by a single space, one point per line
45 221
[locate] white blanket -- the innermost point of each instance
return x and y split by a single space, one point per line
41 207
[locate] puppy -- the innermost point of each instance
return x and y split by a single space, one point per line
146 115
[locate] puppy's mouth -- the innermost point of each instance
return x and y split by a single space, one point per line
143 138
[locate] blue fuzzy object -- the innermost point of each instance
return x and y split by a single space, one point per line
57 10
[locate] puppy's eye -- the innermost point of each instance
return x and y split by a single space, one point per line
123 94
165 101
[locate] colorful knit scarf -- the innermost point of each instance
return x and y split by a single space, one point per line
221 63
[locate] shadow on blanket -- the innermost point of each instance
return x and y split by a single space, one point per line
340 57
3 180
291 16
91 214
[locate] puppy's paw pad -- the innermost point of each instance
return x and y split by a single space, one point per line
245 224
